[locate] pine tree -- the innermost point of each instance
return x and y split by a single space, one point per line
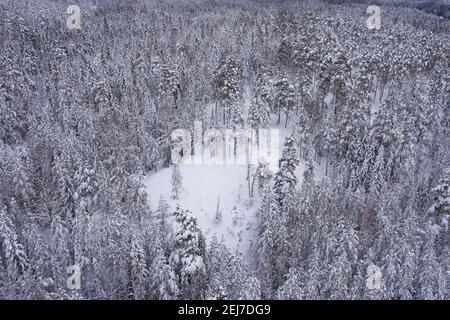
285 179
227 88
267 262
15 257
254 116
262 214
64 171
313 281
284 53
187 259
59 250
115 249
82 225
378 175
330 138
344 255
225 268
352 134
273 248
169 85
408 252
163 225
138 272
251 289
292 287
284 97
164 284
429 270
440 212
177 182
37 282
216 291
259 112
237 123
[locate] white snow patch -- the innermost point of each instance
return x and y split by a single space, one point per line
202 187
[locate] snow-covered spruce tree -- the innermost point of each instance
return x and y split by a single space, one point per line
342 260
15 166
215 290
292 288
431 279
251 289
68 101
225 268
236 275
259 112
59 250
284 53
262 213
139 273
284 97
307 216
64 179
384 132
237 122
82 228
314 275
396 248
273 248
329 140
38 283
114 249
139 67
378 173
163 281
352 138
163 225
15 92
227 89
187 259
14 255
276 223
340 72
440 214
386 244
408 254
285 180
267 262
169 85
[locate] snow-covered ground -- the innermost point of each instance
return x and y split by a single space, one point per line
207 186
204 188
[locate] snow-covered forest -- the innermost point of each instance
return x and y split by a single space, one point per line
92 205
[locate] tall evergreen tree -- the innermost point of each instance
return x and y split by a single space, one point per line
187 258
284 98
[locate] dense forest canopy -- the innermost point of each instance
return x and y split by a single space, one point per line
86 113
